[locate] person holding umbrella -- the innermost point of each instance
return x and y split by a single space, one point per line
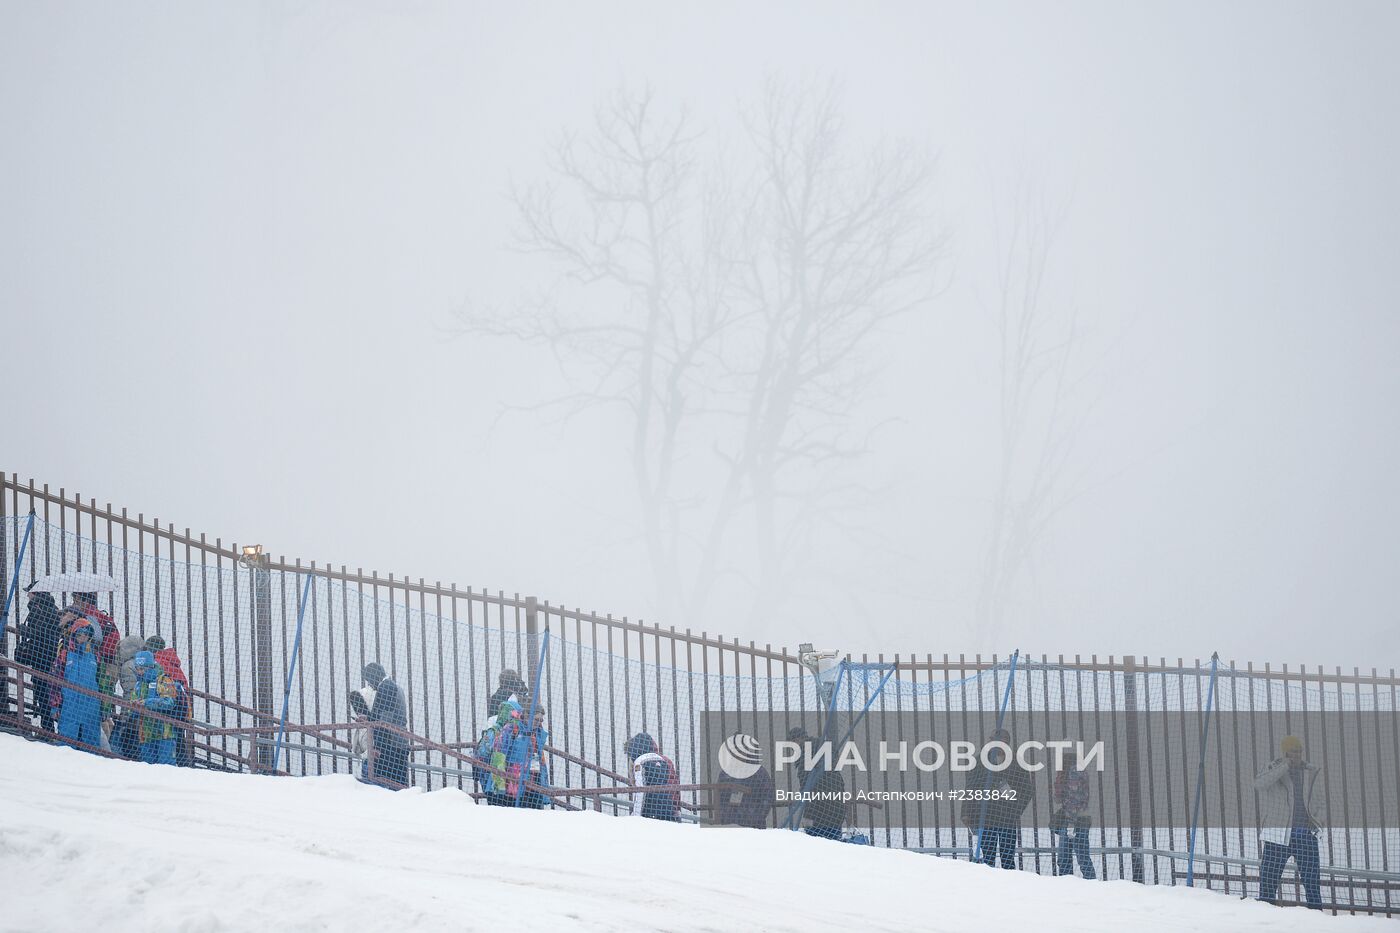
38 648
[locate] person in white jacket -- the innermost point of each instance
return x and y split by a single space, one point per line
1287 828
361 702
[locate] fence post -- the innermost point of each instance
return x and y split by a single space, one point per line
262 654
532 633
1201 775
530 722
1130 702
1001 718
5 618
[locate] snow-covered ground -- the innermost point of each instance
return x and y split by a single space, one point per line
93 844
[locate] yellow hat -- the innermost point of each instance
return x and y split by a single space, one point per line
1290 743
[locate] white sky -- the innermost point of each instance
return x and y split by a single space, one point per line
231 236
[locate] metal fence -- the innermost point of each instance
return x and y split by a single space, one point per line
266 639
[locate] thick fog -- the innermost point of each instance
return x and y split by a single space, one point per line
1106 323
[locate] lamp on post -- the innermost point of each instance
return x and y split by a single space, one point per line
259 563
825 667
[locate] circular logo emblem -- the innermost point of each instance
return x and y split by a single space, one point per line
740 756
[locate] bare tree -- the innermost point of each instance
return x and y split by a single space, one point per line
1037 428
725 304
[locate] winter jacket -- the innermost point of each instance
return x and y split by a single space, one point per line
360 744
749 806
650 768
40 638
512 688
126 660
1004 812
510 747
169 663
389 706
827 810
1070 794
1274 788
111 636
160 693
79 715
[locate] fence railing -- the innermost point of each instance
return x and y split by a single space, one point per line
233 618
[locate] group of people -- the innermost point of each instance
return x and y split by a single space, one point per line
88 660
81 649
513 769
998 797
1288 829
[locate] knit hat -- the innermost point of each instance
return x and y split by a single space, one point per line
155 643
144 659
639 745
1290 743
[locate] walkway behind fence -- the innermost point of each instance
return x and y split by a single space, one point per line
1179 756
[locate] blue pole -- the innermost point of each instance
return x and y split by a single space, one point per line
291 671
14 580
1201 775
795 814
530 723
1001 717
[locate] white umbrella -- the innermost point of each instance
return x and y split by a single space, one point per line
75 581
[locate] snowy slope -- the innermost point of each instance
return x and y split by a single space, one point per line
88 843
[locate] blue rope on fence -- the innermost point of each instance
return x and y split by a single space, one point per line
291 671
530 723
1201 775
14 579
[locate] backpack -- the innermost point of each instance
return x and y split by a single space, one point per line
169 663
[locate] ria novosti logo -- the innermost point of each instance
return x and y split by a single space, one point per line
740 756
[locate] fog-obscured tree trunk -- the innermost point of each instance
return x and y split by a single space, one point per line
1036 343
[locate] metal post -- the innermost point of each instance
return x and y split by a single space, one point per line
1201 775
532 634
263 691
1001 718
1130 703
530 722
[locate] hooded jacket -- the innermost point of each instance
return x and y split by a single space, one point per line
77 666
126 657
169 663
38 645
650 768
159 693
1274 788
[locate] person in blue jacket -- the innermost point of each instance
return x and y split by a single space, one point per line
80 715
158 692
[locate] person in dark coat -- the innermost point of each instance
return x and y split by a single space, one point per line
508 685
38 647
826 814
750 804
995 803
390 748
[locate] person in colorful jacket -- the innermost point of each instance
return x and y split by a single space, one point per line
538 737
157 692
79 715
1070 821
509 746
650 768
